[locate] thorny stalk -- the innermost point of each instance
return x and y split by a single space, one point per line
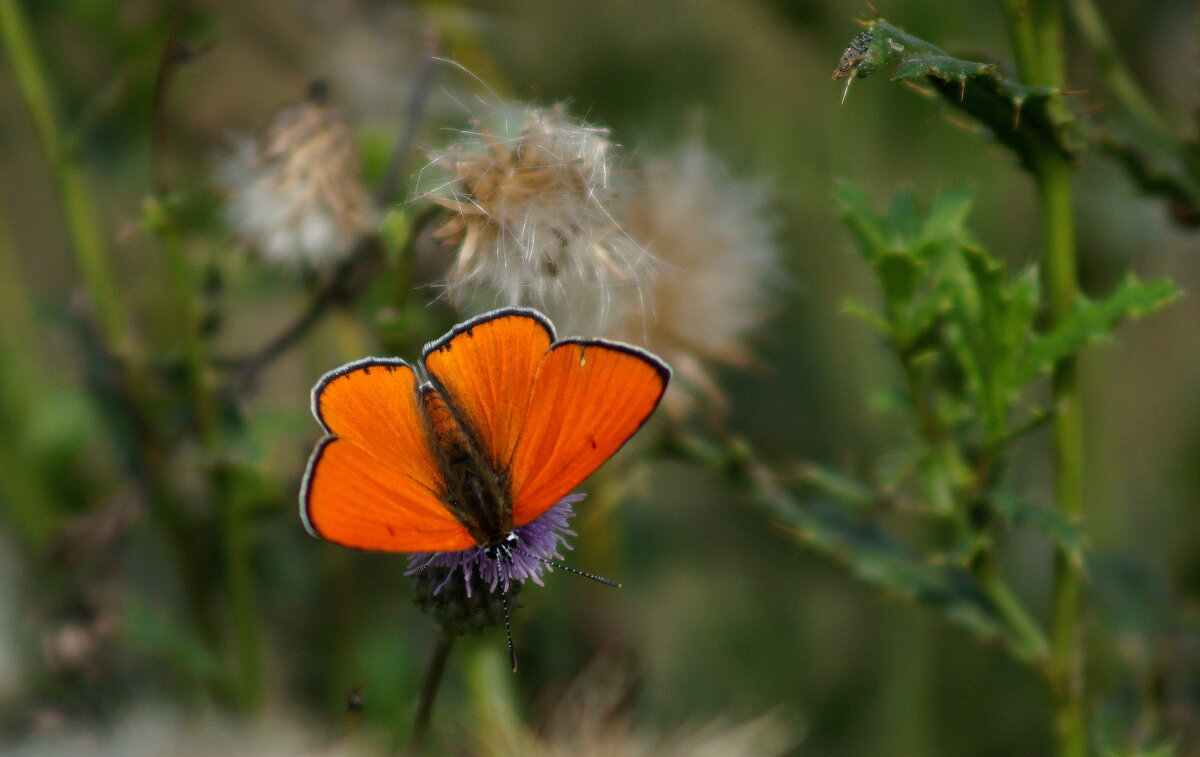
1035 27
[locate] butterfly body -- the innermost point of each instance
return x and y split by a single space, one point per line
507 423
473 492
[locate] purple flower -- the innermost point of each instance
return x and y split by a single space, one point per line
521 558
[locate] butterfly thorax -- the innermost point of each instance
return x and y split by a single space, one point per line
475 493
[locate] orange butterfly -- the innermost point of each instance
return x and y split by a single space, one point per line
505 425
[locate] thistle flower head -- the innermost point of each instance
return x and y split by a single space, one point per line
714 241
295 192
465 590
532 222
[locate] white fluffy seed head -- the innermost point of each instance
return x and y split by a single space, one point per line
715 242
532 221
591 718
295 193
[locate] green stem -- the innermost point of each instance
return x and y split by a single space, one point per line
1019 14
1060 284
1120 82
236 543
81 216
30 505
907 701
1036 30
240 588
187 315
492 699
1026 638
433 681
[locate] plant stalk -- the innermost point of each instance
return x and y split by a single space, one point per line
1025 636
239 583
1121 83
1035 27
1060 285
31 507
429 690
235 541
80 214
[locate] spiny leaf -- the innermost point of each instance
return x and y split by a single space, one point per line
942 66
947 219
858 213
983 333
1092 320
863 547
1163 169
837 486
1021 117
862 310
871 554
902 218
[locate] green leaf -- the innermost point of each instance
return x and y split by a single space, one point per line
899 274
875 557
1022 299
1045 520
862 310
902 219
942 66
1092 320
840 488
868 550
1023 118
1161 167
858 213
155 633
947 219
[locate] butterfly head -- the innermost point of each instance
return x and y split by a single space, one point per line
502 552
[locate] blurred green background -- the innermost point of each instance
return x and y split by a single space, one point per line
721 617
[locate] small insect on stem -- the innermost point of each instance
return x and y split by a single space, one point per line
851 58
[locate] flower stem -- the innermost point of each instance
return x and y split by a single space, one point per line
1026 637
239 583
79 212
433 681
32 510
1036 30
1059 282
1121 83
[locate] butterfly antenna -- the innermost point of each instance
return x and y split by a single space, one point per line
569 569
512 652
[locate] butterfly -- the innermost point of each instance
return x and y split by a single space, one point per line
497 424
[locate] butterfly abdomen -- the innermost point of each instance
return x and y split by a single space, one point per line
475 494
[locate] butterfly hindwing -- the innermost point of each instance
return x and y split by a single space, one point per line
588 398
373 482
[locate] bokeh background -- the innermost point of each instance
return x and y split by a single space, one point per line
723 617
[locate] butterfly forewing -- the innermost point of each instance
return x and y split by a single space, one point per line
373 482
588 398
485 368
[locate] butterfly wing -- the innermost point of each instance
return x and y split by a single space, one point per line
588 398
485 368
373 481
